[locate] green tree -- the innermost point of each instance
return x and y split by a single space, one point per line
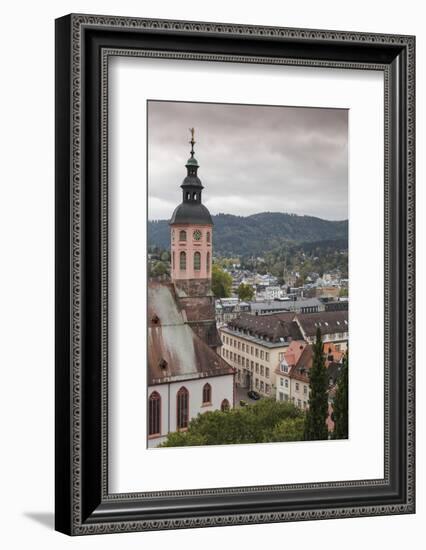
266 420
221 282
165 256
245 292
158 269
315 421
340 406
291 429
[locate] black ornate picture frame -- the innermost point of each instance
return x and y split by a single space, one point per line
84 43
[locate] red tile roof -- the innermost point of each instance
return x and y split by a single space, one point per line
175 352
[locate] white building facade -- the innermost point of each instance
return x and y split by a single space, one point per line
203 394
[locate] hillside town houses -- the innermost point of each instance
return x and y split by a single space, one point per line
272 353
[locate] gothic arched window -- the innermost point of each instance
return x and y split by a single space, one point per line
207 394
224 406
182 406
182 235
197 261
208 262
154 416
182 260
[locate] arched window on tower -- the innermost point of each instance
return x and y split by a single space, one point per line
197 261
208 236
224 406
188 196
182 260
154 416
173 259
208 262
207 394
194 196
182 235
182 406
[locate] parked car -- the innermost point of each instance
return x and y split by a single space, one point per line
253 395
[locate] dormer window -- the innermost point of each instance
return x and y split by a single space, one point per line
162 364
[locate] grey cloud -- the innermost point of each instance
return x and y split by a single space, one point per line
252 158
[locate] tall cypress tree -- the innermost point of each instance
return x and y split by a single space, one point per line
340 406
316 416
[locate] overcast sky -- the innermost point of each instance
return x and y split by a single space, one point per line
252 159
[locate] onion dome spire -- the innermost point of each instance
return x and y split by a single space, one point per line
191 210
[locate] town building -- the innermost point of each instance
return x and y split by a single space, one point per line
292 380
305 305
293 374
186 375
254 346
297 305
334 326
228 309
321 291
270 292
269 306
341 304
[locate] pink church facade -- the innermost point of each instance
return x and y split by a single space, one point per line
191 248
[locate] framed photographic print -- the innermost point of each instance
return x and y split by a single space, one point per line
234 221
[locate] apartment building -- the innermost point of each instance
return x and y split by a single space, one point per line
254 345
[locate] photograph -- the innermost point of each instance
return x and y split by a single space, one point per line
247 274
234 231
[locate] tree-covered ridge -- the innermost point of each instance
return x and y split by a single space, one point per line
252 235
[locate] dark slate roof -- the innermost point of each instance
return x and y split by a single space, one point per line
328 321
276 327
270 305
192 181
195 213
175 352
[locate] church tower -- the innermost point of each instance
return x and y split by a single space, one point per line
191 237
191 229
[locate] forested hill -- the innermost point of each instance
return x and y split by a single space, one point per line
258 233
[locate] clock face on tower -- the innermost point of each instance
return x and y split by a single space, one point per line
197 235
